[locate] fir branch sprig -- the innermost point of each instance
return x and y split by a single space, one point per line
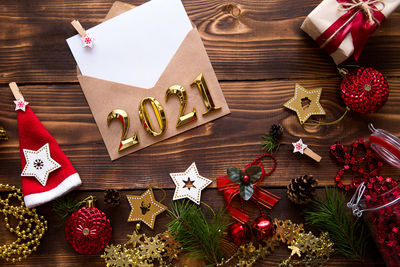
348 233
198 237
269 143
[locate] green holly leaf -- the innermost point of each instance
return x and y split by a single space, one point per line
254 173
235 175
246 191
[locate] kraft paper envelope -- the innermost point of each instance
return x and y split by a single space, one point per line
187 63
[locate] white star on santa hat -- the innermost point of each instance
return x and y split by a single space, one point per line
20 104
39 164
299 146
189 184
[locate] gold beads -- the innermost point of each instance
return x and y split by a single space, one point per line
29 227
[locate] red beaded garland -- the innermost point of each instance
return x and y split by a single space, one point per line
364 90
88 230
352 159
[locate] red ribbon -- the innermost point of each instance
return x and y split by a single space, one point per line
260 195
354 21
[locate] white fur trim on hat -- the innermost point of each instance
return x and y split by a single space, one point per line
67 185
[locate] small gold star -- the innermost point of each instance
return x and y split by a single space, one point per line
305 103
188 184
295 250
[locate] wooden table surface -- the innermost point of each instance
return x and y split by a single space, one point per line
258 52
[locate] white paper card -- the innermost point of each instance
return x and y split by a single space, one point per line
135 47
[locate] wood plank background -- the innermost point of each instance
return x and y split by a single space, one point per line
258 53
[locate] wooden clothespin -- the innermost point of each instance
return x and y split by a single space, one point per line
303 149
87 40
15 90
20 103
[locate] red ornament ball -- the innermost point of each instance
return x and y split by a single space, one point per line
246 178
364 90
240 233
262 227
88 230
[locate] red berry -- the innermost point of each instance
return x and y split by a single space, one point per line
246 178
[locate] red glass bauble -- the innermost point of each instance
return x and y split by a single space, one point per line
88 230
240 233
262 227
364 90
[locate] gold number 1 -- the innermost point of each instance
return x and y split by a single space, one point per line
205 93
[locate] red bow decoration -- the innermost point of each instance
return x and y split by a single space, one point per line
260 195
361 19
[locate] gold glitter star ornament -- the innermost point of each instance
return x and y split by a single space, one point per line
145 208
305 103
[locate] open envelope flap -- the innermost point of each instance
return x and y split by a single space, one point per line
190 60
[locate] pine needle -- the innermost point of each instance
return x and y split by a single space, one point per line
348 233
64 206
269 144
198 237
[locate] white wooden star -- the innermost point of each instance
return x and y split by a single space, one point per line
189 184
299 146
39 164
20 104
87 40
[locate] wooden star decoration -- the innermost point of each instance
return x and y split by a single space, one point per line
189 184
39 164
305 103
145 208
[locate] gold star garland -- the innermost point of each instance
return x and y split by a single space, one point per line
306 249
141 250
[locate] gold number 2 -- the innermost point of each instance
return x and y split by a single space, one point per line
200 82
180 92
124 119
158 111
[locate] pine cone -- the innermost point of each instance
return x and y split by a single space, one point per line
302 189
112 197
276 131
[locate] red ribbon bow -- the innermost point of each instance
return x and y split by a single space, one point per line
357 21
260 195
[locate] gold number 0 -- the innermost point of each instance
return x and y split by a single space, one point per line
180 92
200 82
159 112
124 119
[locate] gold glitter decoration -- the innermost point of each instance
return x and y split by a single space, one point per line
3 134
29 229
141 250
305 103
310 250
306 249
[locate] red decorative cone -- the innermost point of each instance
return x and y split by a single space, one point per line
88 230
364 90
46 171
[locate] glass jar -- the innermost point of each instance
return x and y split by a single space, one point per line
386 145
383 218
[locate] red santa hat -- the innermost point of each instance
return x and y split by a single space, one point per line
46 171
